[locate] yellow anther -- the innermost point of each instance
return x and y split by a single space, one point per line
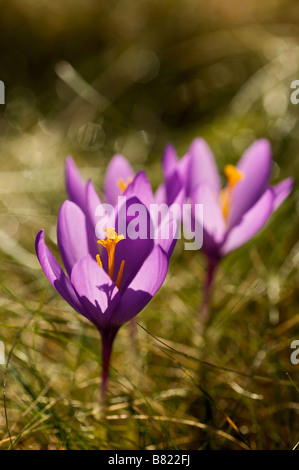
99 261
225 202
120 274
233 176
112 238
124 184
111 234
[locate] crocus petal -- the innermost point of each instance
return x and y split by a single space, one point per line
75 184
282 190
176 176
167 232
55 274
180 198
118 169
144 286
256 167
173 186
141 188
92 202
72 235
213 221
184 171
213 225
97 293
251 222
160 194
172 191
167 229
132 251
203 168
169 161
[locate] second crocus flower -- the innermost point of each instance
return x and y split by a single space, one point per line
233 214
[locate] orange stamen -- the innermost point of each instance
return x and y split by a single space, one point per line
120 274
124 184
112 238
233 176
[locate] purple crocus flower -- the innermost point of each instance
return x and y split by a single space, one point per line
175 186
120 180
119 176
108 288
235 213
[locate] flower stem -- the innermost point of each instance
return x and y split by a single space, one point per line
107 344
204 310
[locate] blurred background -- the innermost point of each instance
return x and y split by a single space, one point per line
93 78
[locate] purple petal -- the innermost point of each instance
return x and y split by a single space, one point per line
166 229
173 187
213 221
141 188
75 184
160 194
282 190
213 225
55 274
143 287
172 191
72 235
184 171
203 168
92 202
97 293
167 232
180 198
118 169
256 166
169 161
251 222
132 251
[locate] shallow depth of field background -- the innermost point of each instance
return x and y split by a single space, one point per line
94 78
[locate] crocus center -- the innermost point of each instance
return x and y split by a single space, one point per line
112 238
124 184
233 176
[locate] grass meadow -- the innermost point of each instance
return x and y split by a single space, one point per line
95 78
